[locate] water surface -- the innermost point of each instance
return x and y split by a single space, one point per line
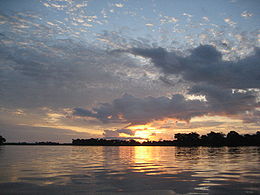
129 170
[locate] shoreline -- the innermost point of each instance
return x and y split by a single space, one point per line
69 144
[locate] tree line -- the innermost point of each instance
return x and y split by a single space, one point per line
183 139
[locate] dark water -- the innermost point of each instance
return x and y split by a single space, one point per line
129 170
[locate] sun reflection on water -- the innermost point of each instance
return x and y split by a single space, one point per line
153 161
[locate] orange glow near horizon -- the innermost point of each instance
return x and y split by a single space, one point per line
141 127
146 132
166 128
142 134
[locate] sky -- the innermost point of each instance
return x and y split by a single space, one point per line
128 69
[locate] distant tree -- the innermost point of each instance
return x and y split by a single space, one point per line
234 139
190 139
255 139
203 140
215 139
179 137
2 140
194 137
182 139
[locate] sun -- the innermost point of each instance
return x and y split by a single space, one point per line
143 132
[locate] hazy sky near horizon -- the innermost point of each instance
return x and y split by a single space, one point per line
128 68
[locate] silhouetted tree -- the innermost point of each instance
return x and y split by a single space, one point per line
252 140
182 139
234 139
215 139
203 140
2 140
191 139
104 142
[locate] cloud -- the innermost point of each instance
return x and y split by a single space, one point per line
65 73
115 134
252 117
246 14
54 69
126 131
229 88
205 64
129 109
83 112
230 22
119 5
133 110
226 85
110 133
225 101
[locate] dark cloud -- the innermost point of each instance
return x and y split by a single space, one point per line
126 131
133 110
226 101
110 133
116 133
83 112
205 64
129 109
226 85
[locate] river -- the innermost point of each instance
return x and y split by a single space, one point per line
129 170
